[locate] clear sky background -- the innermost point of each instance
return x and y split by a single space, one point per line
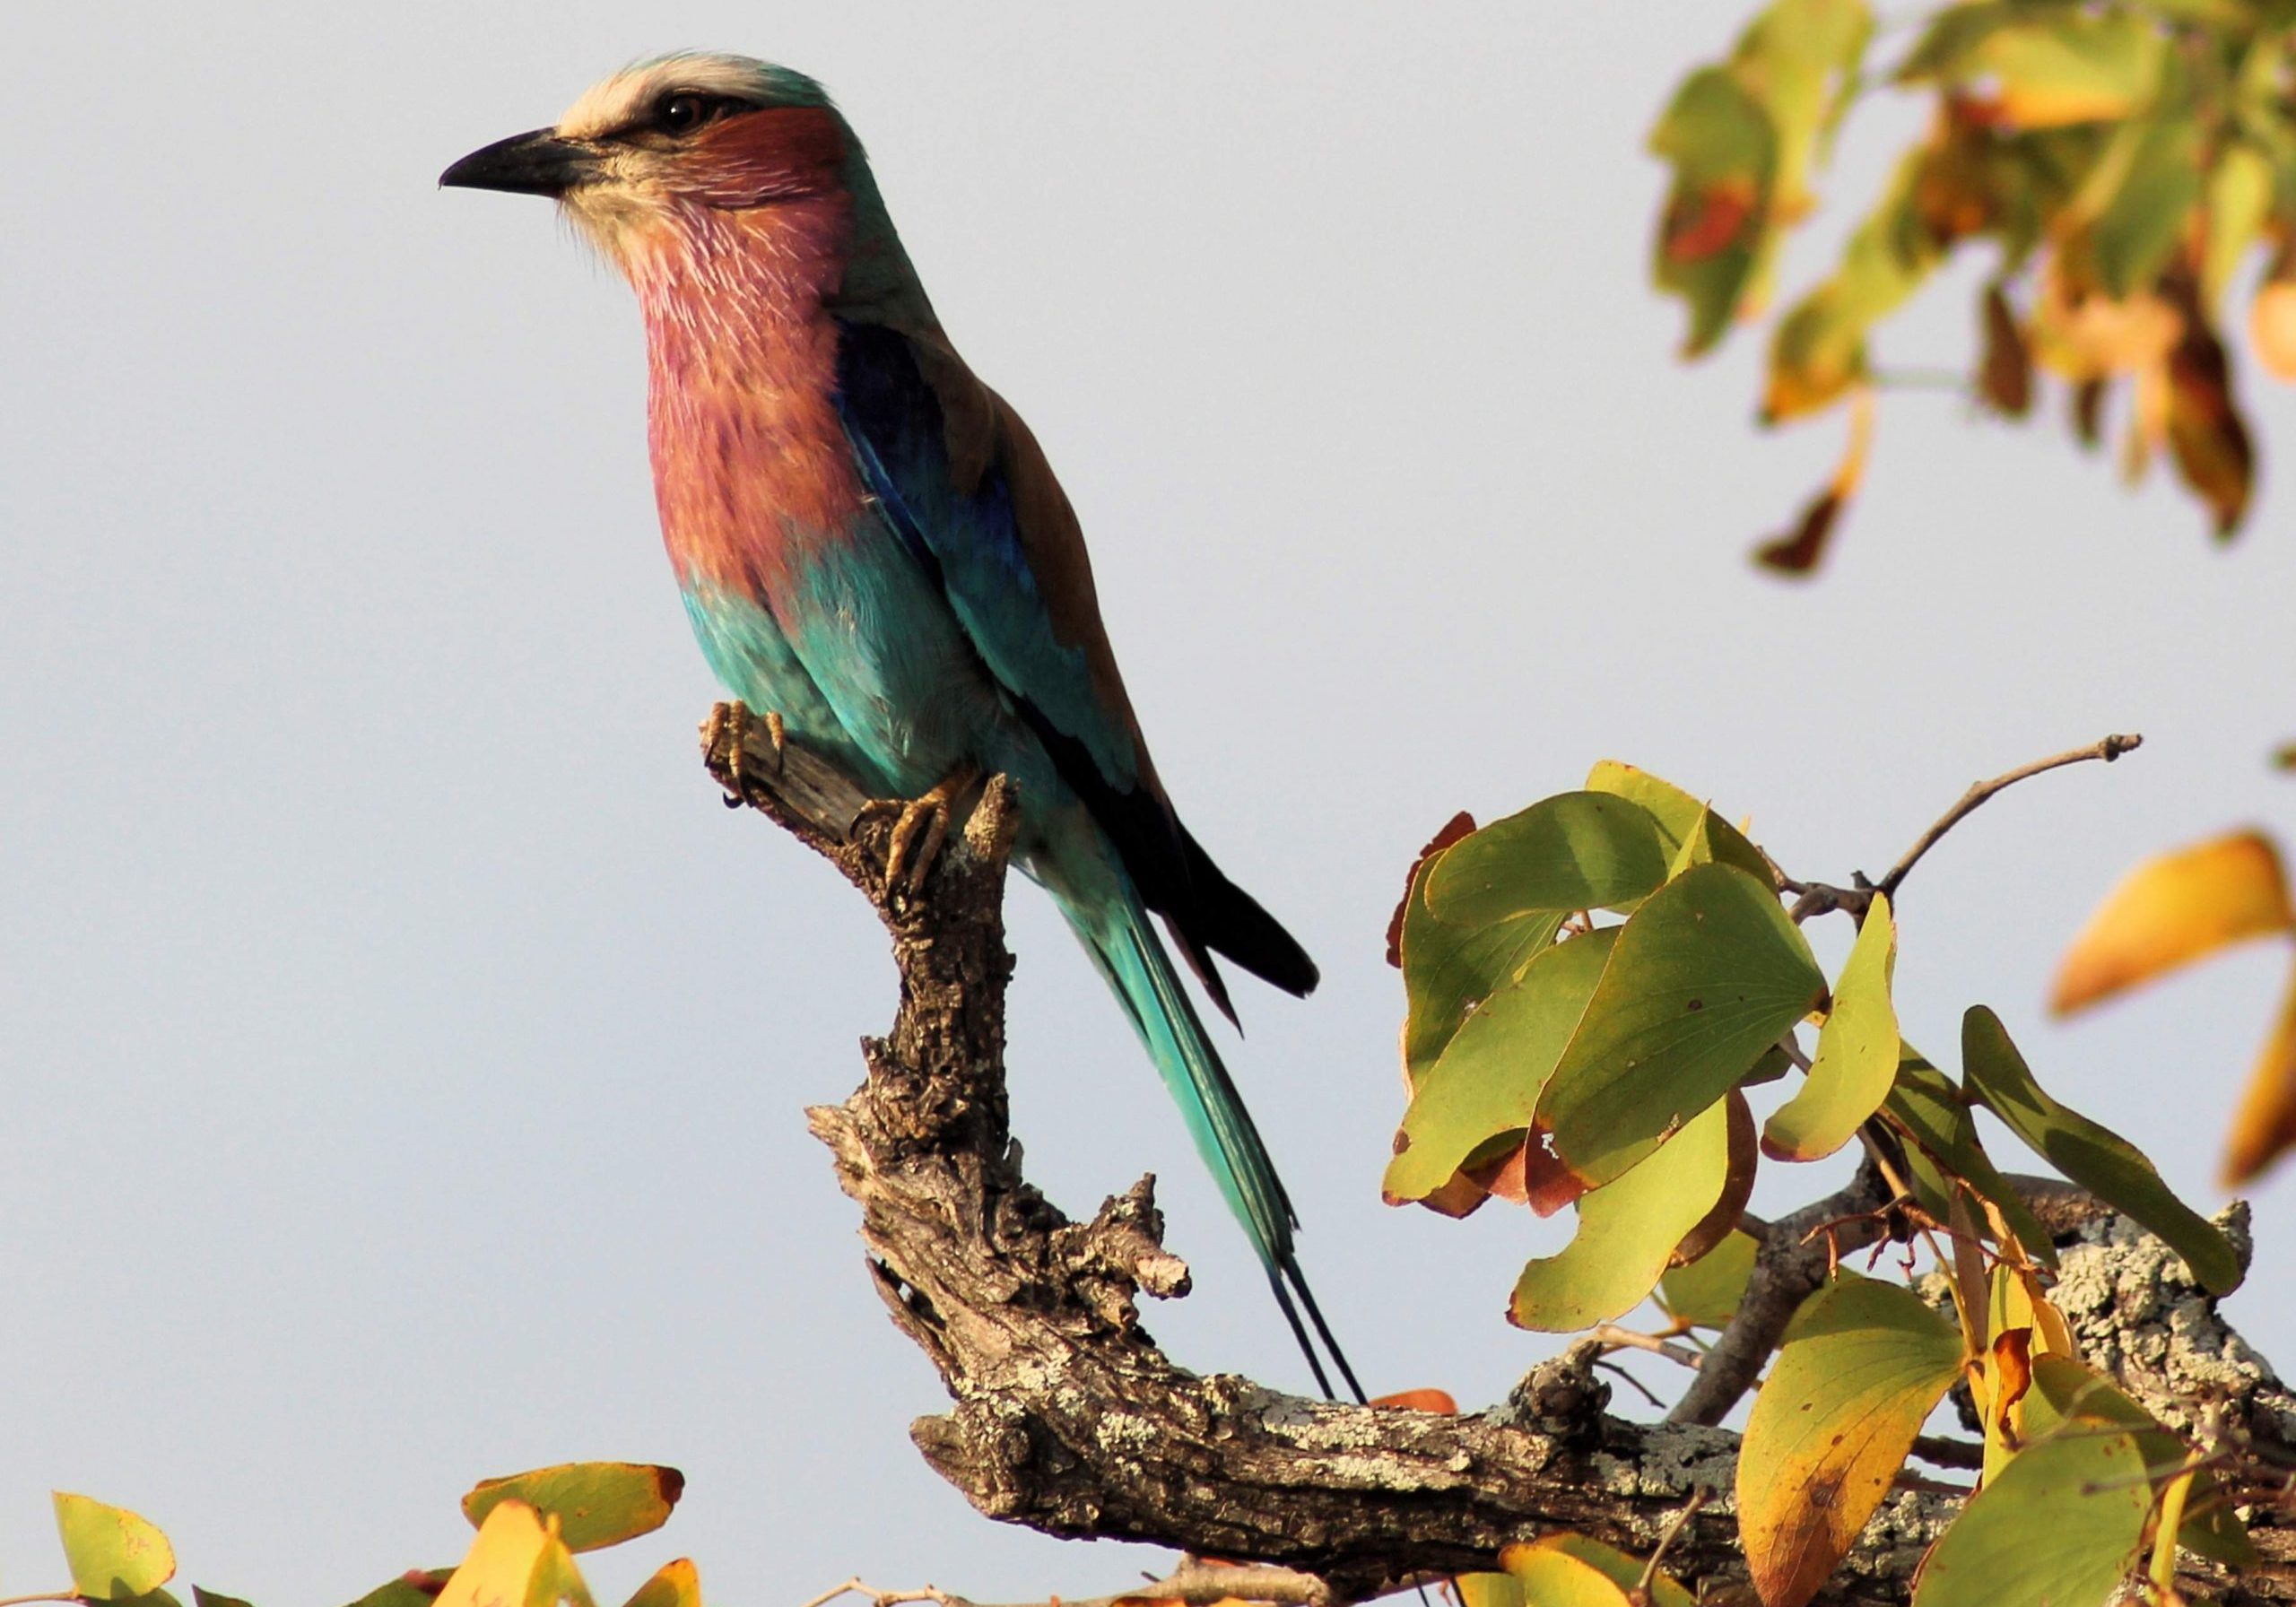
404 1055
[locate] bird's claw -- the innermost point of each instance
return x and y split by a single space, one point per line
920 828
732 723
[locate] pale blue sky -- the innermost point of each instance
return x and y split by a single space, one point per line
405 1053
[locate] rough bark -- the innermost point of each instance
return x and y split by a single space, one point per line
1067 1418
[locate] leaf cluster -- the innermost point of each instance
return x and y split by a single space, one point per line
530 1526
1593 987
2116 162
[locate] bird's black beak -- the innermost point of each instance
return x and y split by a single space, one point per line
538 163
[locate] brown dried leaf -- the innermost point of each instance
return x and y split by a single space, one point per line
2213 452
1798 550
2005 375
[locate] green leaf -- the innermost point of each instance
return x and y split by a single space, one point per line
208 1598
597 1504
1863 1365
417 1588
1723 151
1627 1232
1449 969
1488 1080
1538 1578
1936 1118
1706 1292
1488 1590
1673 810
1573 851
1818 351
1856 1062
2239 199
2133 238
2064 1390
2060 1526
113 1555
1705 974
2100 1161
2048 68
1712 840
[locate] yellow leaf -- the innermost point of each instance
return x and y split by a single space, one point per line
515 1562
114 1554
1575 1570
2264 1125
2172 910
674 1584
1863 1365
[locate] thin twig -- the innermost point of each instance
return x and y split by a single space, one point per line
1627 1339
1650 1568
2108 749
1194 1585
1631 1382
1812 898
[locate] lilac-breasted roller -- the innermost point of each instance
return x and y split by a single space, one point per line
874 552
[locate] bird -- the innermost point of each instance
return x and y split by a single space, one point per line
875 556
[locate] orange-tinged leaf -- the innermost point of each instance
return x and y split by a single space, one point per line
2264 1127
2083 334
1436 1400
2008 1375
1863 1366
2171 910
2272 327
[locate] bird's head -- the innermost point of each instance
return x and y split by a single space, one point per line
656 150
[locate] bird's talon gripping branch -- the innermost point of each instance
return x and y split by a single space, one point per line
731 723
920 828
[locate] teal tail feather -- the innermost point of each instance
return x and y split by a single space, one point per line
1128 954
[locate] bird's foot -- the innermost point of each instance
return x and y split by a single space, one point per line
731 723
920 828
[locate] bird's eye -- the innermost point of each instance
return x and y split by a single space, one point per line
684 113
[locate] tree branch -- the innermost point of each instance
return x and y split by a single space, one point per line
1795 1256
1066 1418
1820 898
2107 749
